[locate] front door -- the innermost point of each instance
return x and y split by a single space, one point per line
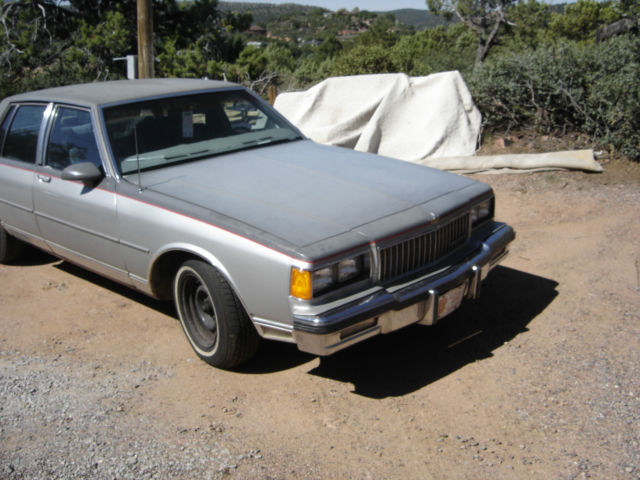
77 220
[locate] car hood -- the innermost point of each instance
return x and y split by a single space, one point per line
304 193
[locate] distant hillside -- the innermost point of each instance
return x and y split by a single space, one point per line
303 23
263 13
418 19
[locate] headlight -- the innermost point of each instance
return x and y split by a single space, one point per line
481 211
323 279
305 284
348 269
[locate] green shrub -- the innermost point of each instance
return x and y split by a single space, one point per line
435 50
363 59
593 89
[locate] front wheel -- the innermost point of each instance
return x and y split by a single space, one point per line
216 325
10 247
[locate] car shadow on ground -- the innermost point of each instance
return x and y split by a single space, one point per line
33 257
407 360
403 361
274 357
166 308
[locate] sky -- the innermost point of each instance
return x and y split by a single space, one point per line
370 5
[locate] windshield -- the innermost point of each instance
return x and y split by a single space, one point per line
162 132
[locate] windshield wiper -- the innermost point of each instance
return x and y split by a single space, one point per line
182 156
269 141
259 141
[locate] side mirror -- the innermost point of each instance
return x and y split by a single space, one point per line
85 172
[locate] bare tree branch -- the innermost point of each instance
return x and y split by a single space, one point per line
483 17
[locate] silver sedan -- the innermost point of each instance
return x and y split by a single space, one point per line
200 192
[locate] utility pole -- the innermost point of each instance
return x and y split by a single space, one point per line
145 39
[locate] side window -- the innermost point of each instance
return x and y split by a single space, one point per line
71 139
22 138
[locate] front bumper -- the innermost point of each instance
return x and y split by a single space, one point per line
423 301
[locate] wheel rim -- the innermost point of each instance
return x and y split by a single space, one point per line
199 313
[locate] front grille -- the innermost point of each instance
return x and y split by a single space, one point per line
423 250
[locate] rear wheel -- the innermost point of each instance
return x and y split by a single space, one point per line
10 247
212 317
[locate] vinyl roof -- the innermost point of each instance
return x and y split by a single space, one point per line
104 93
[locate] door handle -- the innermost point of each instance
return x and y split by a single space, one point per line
44 178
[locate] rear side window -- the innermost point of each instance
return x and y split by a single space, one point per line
5 126
21 140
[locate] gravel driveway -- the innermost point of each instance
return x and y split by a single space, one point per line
540 378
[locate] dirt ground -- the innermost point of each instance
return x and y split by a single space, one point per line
540 378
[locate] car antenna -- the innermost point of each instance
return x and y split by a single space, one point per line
135 141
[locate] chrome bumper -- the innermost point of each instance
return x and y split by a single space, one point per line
422 301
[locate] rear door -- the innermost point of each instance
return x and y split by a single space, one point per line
19 133
77 220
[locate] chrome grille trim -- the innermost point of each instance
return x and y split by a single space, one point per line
425 249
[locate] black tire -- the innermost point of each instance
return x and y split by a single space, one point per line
214 321
10 247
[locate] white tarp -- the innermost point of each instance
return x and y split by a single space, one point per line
391 114
429 120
